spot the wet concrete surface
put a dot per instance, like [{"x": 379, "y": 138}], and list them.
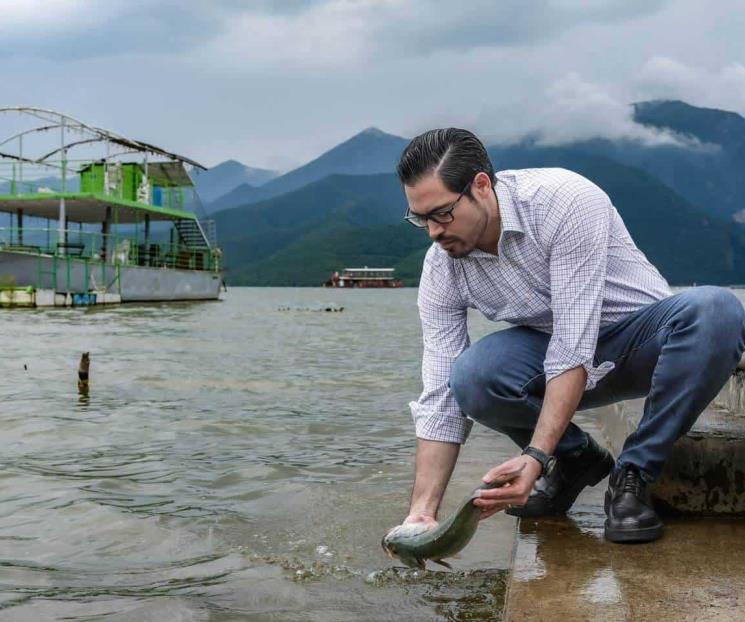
[{"x": 563, "y": 569}]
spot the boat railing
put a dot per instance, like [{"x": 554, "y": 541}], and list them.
[
  {"x": 111, "y": 248},
  {"x": 31, "y": 180},
  {"x": 25, "y": 178}
]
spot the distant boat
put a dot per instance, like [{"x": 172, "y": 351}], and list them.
[
  {"x": 364, "y": 277},
  {"x": 116, "y": 223}
]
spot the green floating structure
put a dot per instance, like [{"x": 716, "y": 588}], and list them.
[{"x": 120, "y": 222}]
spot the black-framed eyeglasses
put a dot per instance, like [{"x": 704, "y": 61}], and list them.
[{"x": 441, "y": 216}]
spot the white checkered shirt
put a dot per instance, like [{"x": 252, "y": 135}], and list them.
[{"x": 566, "y": 266}]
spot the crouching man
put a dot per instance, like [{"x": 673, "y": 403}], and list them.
[{"x": 593, "y": 320}]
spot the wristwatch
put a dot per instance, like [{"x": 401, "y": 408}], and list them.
[{"x": 548, "y": 463}]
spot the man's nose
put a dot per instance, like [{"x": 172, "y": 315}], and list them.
[{"x": 434, "y": 229}]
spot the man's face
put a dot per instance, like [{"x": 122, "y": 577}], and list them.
[{"x": 458, "y": 237}]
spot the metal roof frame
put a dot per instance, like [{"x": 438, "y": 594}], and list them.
[
  {"x": 81, "y": 206},
  {"x": 58, "y": 120}
]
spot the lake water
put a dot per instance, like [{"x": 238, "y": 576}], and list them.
[{"x": 233, "y": 461}]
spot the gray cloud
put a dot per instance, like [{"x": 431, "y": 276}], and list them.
[
  {"x": 275, "y": 83},
  {"x": 116, "y": 28},
  {"x": 119, "y": 27},
  {"x": 422, "y": 27}
]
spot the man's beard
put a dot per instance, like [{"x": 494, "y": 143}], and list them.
[
  {"x": 459, "y": 254},
  {"x": 457, "y": 249}
]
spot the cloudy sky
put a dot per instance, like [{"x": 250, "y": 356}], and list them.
[{"x": 274, "y": 83}]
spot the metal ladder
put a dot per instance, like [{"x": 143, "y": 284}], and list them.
[{"x": 191, "y": 234}]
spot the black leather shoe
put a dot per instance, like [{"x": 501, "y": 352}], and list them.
[
  {"x": 556, "y": 493},
  {"x": 630, "y": 514}
]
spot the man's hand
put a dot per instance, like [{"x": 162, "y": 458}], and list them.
[
  {"x": 414, "y": 525},
  {"x": 429, "y": 522},
  {"x": 562, "y": 396},
  {"x": 514, "y": 493}
]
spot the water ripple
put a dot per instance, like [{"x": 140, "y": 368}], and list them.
[{"x": 230, "y": 461}]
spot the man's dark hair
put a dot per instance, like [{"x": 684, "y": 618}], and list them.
[{"x": 456, "y": 155}]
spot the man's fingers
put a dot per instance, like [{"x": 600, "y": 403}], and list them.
[
  {"x": 506, "y": 494},
  {"x": 499, "y": 493},
  {"x": 488, "y": 505},
  {"x": 515, "y": 492},
  {"x": 495, "y": 472},
  {"x": 515, "y": 495},
  {"x": 513, "y": 465}
]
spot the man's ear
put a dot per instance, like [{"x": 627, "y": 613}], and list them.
[{"x": 481, "y": 185}]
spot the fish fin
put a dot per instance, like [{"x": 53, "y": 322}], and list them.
[
  {"x": 420, "y": 562},
  {"x": 442, "y": 563}
]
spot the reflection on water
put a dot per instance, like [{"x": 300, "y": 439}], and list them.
[
  {"x": 692, "y": 573},
  {"x": 231, "y": 462}
]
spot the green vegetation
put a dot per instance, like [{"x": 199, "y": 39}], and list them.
[
  {"x": 347, "y": 221},
  {"x": 677, "y": 204},
  {"x": 310, "y": 260},
  {"x": 301, "y": 237}
]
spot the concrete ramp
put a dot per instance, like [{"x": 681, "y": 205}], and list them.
[
  {"x": 563, "y": 569},
  {"x": 705, "y": 474}
]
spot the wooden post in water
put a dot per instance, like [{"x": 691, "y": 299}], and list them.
[{"x": 83, "y": 371}]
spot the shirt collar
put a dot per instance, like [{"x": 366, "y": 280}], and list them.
[
  {"x": 510, "y": 221},
  {"x": 507, "y": 211}
]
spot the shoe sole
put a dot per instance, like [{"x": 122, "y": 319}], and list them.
[
  {"x": 591, "y": 477},
  {"x": 629, "y": 536}
]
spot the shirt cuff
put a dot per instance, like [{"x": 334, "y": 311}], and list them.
[
  {"x": 444, "y": 427},
  {"x": 560, "y": 359}
]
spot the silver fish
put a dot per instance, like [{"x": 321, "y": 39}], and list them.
[{"x": 413, "y": 543}]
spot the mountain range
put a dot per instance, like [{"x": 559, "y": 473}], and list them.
[
  {"x": 214, "y": 182},
  {"x": 681, "y": 202},
  {"x": 369, "y": 152},
  {"x": 301, "y": 237},
  {"x": 707, "y": 172}
]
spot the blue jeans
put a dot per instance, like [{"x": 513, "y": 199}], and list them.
[{"x": 677, "y": 352}]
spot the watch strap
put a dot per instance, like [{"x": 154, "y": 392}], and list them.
[{"x": 539, "y": 455}]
